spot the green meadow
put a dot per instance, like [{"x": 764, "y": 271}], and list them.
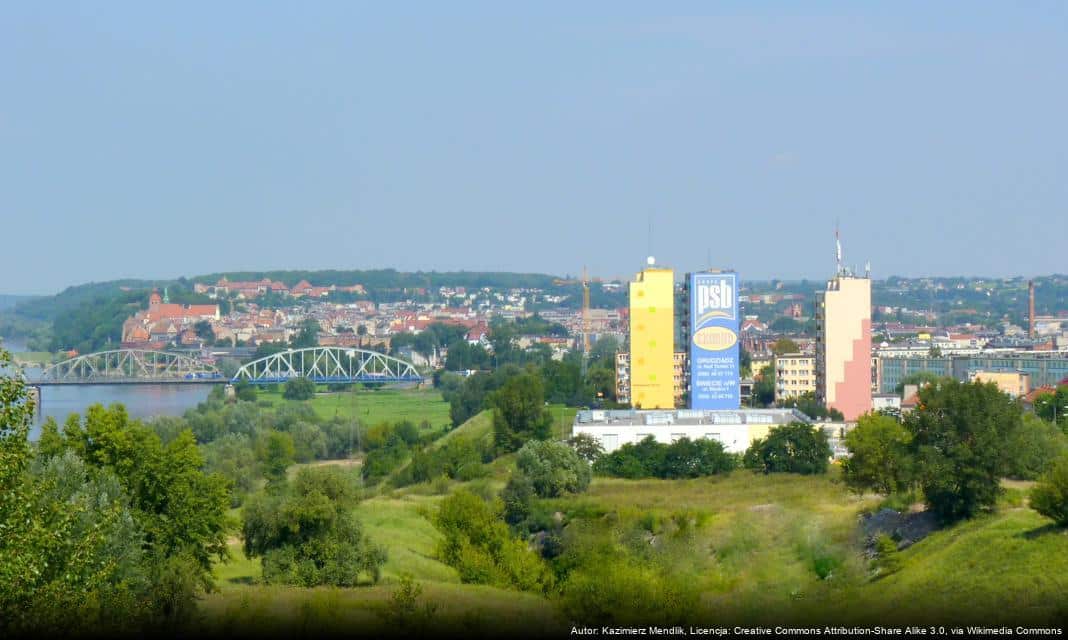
[{"x": 748, "y": 548}]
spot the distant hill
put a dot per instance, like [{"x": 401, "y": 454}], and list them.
[
  {"x": 391, "y": 278},
  {"x": 8, "y": 301}
]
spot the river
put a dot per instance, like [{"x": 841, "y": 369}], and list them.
[{"x": 141, "y": 401}]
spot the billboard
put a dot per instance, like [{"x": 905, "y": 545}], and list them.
[{"x": 714, "y": 368}]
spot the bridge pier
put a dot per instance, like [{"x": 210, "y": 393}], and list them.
[
  {"x": 35, "y": 396},
  {"x": 229, "y": 391}
]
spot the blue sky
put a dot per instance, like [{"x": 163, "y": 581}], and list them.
[{"x": 138, "y": 140}]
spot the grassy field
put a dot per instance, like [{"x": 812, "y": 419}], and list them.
[
  {"x": 749, "y": 545},
  {"x": 34, "y": 358},
  {"x": 373, "y": 407}
]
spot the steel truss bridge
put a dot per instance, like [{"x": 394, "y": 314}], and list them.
[
  {"x": 328, "y": 365},
  {"x": 130, "y": 366},
  {"x": 323, "y": 365}
]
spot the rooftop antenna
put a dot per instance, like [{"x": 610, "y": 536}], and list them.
[
  {"x": 650, "y": 238},
  {"x": 837, "y": 250}
]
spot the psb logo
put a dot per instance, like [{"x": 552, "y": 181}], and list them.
[{"x": 714, "y": 298}]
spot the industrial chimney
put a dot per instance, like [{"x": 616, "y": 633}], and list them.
[{"x": 1031, "y": 308}]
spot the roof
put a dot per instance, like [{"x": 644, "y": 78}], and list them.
[{"x": 637, "y": 417}]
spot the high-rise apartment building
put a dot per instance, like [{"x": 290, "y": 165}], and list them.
[
  {"x": 652, "y": 338},
  {"x": 843, "y": 346}
]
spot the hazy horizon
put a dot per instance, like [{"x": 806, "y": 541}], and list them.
[{"x": 142, "y": 139}]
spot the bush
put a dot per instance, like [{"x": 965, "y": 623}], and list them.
[
  {"x": 518, "y": 497},
  {"x": 299, "y": 389},
  {"x": 307, "y": 535},
  {"x": 791, "y": 448},
  {"x": 1034, "y": 447},
  {"x": 553, "y": 468},
  {"x": 1050, "y": 496},
  {"x": 880, "y": 459},
  {"x": 683, "y": 458},
  {"x": 479, "y": 545}
]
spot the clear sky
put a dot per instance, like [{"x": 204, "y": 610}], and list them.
[{"x": 142, "y": 140}]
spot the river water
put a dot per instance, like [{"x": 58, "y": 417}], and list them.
[{"x": 141, "y": 401}]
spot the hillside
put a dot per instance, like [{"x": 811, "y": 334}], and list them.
[{"x": 736, "y": 548}]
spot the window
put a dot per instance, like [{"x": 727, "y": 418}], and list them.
[{"x": 610, "y": 441}]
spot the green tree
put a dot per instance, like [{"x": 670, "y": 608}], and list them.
[
  {"x": 1033, "y": 447},
  {"x": 783, "y": 346},
  {"x": 764, "y": 387},
  {"x": 1050, "y": 496},
  {"x": 959, "y": 432},
  {"x": 880, "y": 458},
  {"x": 1053, "y": 405},
  {"x": 276, "y": 454},
  {"x": 306, "y": 534},
  {"x": 478, "y": 543},
  {"x": 205, "y": 332},
  {"x": 791, "y": 448},
  {"x": 299, "y": 389},
  {"x": 307, "y": 336},
  {"x": 586, "y": 446},
  {"x": 519, "y": 413},
  {"x": 553, "y": 468}
]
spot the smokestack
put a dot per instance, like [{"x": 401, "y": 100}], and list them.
[{"x": 1031, "y": 308}]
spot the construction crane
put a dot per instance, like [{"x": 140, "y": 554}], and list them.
[{"x": 585, "y": 321}]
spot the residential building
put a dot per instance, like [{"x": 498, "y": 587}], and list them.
[
  {"x": 795, "y": 374},
  {"x": 679, "y": 377},
  {"x": 843, "y": 347},
  {"x": 1015, "y": 383},
  {"x": 652, "y": 338}
]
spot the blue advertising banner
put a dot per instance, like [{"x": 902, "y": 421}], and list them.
[{"x": 714, "y": 368}]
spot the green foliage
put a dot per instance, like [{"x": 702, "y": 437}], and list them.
[
  {"x": 880, "y": 459},
  {"x": 481, "y": 547},
  {"x": 783, "y": 346},
  {"x": 182, "y": 510},
  {"x": 683, "y": 458},
  {"x": 919, "y": 378},
  {"x": 764, "y": 387},
  {"x": 1033, "y": 447},
  {"x": 519, "y": 413},
  {"x": 307, "y": 336},
  {"x": 518, "y": 498},
  {"x": 403, "y": 613},
  {"x": 299, "y": 389},
  {"x": 586, "y": 446},
  {"x": 622, "y": 593},
  {"x": 959, "y": 433},
  {"x": 307, "y": 534},
  {"x": 807, "y": 404},
  {"x": 1050, "y": 496},
  {"x": 553, "y": 468},
  {"x": 887, "y": 557},
  {"x": 275, "y": 455},
  {"x": 233, "y": 457},
  {"x": 1049, "y": 405},
  {"x": 381, "y": 461},
  {"x": 459, "y": 459},
  {"x": 791, "y": 448}
]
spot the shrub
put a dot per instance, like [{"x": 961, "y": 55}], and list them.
[
  {"x": 683, "y": 458},
  {"x": 479, "y": 545},
  {"x": 306, "y": 534},
  {"x": 553, "y": 468},
  {"x": 880, "y": 458},
  {"x": 1034, "y": 447},
  {"x": 586, "y": 446},
  {"x": 1050, "y": 496},
  {"x": 791, "y": 448},
  {"x": 299, "y": 389}
]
